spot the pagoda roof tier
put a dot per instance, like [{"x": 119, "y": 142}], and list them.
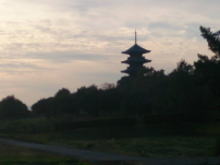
[
  {"x": 136, "y": 49},
  {"x": 133, "y": 70},
  {"x": 136, "y": 60}
]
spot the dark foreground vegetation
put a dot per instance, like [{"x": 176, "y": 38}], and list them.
[
  {"x": 142, "y": 116},
  {"x": 11, "y": 155}
]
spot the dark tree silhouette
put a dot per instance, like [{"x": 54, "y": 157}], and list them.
[
  {"x": 12, "y": 108},
  {"x": 63, "y": 93},
  {"x": 208, "y": 69},
  {"x": 213, "y": 39},
  {"x": 44, "y": 107}
]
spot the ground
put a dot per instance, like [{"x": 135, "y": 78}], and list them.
[
  {"x": 11, "y": 155},
  {"x": 153, "y": 141}
]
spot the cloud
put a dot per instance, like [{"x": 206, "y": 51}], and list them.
[
  {"x": 20, "y": 66},
  {"x": 63, "y": 57}
]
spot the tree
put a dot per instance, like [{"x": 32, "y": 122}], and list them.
[
  {"x": 63, "y": 93},
  {"x": 10, "y": 107},
  {"x": 213, "y": 39},
  {"x": 88, "y": 100},
  {"x": 207, "y": 70}
]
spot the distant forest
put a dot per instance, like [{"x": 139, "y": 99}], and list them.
[{"x": 189, "y": 91}]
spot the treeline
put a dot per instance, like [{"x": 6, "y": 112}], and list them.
[{"x": 188, "y": 91}]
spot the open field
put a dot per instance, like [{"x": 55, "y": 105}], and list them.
[
  {"x": 146, "y": 147},
  {"x": 197, "y": 140}
]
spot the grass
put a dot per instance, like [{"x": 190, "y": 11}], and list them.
[
  {"x": 152, "y": 146},
  {"x": 10, "y": 155},
  {"x": 14, "y": 155},
  {"x": 153, "y": 141},
  {"x": 148, "y": 146}
]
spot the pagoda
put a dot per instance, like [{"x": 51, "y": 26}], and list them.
[{"x": 136, "y": 60}]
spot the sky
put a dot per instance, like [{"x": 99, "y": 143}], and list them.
[{"x": 46, "y": 45}]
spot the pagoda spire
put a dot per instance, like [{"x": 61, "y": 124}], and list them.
[{"x": 135, "y": 37}]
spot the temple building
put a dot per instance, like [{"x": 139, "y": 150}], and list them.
[{"x": 136, "y": 60}]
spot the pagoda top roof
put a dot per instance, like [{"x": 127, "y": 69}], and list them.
[{"x": 136, "y": 49}]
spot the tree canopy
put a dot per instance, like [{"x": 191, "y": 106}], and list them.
[{"x": 10, "y": 107}]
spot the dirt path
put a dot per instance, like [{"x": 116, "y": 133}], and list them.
[{"x": 99, "y": 156}]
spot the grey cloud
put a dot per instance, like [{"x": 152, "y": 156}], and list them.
[
  {"x": 20, "y": 67},
  {"x": 82, "y": 6},
  {"x": 103, "y": 37},
  {"x": 192, "y": 30},
  {"x": 160, "y": 29},
  {"x": 163, "y": 25},
  {"x": 86, "y": 5},
  {"x": 44, "y": 28},
  {"x": 64, "y": 57}
]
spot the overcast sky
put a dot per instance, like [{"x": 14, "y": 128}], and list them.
[{"x": 49, "y": 44}]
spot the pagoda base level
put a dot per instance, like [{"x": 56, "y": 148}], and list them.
[{"x": 133, "y": 74}]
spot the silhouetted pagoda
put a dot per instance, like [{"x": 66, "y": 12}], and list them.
[{"x": 136, "y": 60}]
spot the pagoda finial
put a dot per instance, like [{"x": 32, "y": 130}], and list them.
[{"x": 135, "y": 36}]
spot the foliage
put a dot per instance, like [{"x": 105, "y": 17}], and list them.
[
  {"x": 62, "y": 93},
  {"x": 10, "y": 155},
  {"x": 213, "y": 39},
  {"x": 10, "y": 107}
]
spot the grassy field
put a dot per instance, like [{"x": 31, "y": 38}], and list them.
[
  {"x": 150, "y": 141},
  {"x": 173, "y": 146},
  {"x": 151, "y": 147},
  {"x": 14, "y": 155},
  {"x": 11, "y": 155}
]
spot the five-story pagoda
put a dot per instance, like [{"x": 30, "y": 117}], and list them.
[{"x": 136, "y": 60}]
